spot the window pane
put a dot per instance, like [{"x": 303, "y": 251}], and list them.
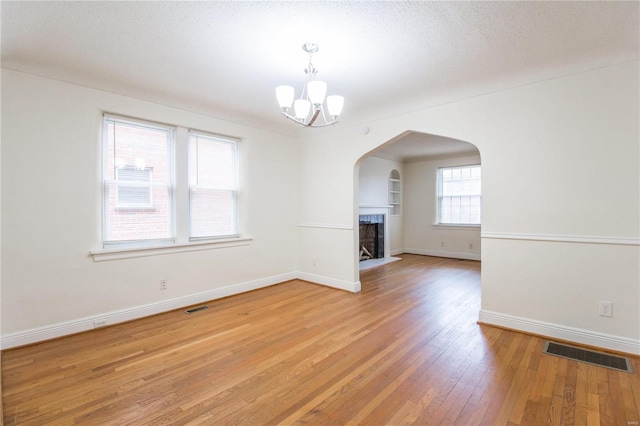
[
  {"x": 138, "y": 181},
  {"x": 136, "y": 192},
  {"x": 212, "y": 213},
  {"x": 213, "y": 186}
]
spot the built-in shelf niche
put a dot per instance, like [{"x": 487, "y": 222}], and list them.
[{"x": 395, "y": 193}]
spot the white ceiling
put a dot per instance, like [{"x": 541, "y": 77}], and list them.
[
  {"x": 386, "y": 58},
  {"x": 416, "y": 146}
]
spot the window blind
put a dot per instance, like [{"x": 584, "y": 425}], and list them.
[
  {"x": 138, "y": 181},
  {"x": 213, "y": 186}
]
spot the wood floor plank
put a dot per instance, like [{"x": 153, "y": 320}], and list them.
[
  {"x": 406, "y": 350},
  {"x": 569, "y": 394},
  {"x": 593, "y": 409},
  {"x": 554, "y": 416},
  {"x": 632, "y": 412}
]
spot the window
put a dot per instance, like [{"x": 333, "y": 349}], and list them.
[
  {"x": 459, "y": 195},
  {"x": 213, "y": 186},
  {"x": 138, "y": 182},
  {"x": 167, "y": 186}
]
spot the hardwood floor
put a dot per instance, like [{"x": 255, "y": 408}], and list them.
[{"x": 406, "y": 350}]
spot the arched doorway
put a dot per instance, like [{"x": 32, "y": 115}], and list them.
[{"x": 402, "y": 181}]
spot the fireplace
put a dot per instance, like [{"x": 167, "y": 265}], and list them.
[{"x": 371, "y": 236}]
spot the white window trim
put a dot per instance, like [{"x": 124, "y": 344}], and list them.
[
  {"x": 156, "y": 250},
  {"x": 445, "y": 225},
  {"x": 172, "y": 147},
  {"x": 225, "y": 139},
  {"x": 180, "y": 242},
  {"x": 457, "y": 226}
]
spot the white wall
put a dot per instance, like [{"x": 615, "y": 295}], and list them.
[
  {"x": 51, "y": 215},
  {"x": 561, "y": 206},
  {"x": 421, "y": 234},
  {"x": 373, "y": 190},
  {"x": 561, "y": 201},
  {"x": 1, "y": 391}
]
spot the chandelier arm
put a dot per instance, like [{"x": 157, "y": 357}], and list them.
[
  {"x": 324, "y": 125},
  {"x": 295, "y": 120},
  {"x": 315, "y": 116},
  {"x": 324, "y": 117},
  {"x": 292, "y": 118},
  {"x": 333, "y": 119}
]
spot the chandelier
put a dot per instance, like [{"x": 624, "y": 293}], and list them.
[{"x": 309, "y": 107}]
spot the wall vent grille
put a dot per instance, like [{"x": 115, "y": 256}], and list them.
[
  {"x": 590, "y": 357},
  {"x": 199, "y": 308}
]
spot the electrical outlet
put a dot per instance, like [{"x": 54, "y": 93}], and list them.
[
  {"x": 470, "y": 246},
  {"x": 99, "y": 323},
  {"x": 163, "y": 284},
  {"x": 314, "y": 261},
  {"x": 605, "y": 308},
  {"x": 441, "y": 243}
]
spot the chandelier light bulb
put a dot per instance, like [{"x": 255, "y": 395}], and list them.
[
  {"x": 301, "y": 108},
  {"x": 334, "y": 105},
  {"x": 317, "y": 91},
  {"x": 285, "y": 95}
]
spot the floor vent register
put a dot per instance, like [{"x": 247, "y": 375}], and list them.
[
  {"x": 590, "y": 357},
  {"x": 199, "y": 308}
]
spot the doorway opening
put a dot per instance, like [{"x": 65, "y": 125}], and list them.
[{"x": 400, "y": 198}]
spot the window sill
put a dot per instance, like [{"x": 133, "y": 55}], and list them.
[
  {"x": 452, "y": 226},
  {"x": 128, "y": 253},
  {"x": 135, "y": 209}
]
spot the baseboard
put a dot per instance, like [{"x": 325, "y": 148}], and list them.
[
  {"x": 561, "y": 332},
  {"x": 40, "y": 334},
  {"x": 397, "y": 252},
  {"x": 448, "y": 254},
  {"x": 353, "y": 287}
]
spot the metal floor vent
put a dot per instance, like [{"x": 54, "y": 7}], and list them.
[
  {"x": 590, "y": 357},
  {"x": 199, "y": 308}
]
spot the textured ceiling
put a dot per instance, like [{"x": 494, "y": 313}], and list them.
[
  {"x": 416, "y": 146},
  {"x": 386, "y": 58}
]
